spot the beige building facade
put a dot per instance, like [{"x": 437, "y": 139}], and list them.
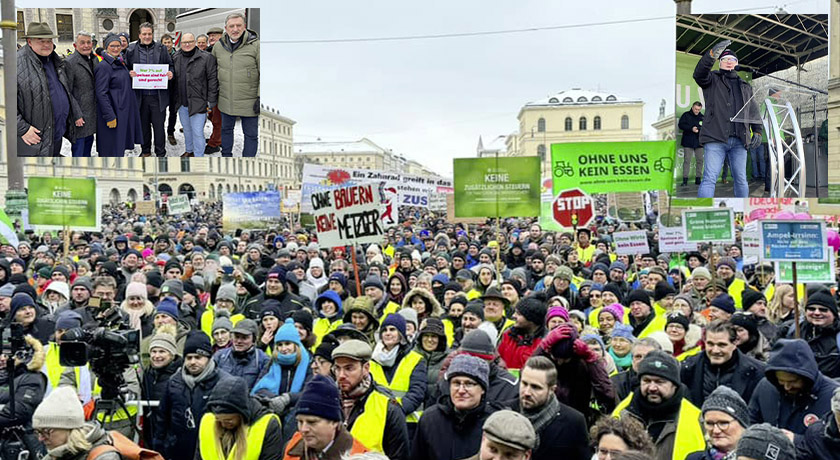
[{"x": 834, "y": 103}]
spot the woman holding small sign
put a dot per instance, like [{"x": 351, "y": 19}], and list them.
[{"x": 116, "y": 107}]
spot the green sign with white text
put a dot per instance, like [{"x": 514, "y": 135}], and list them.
[
  {"x": 486, "y": 187},
  {"x": 716, "y": 225},
  {"x": 602, "y": 167},
  {"x": 806, "y": 272},
  {"x": 55, "y": 202}
]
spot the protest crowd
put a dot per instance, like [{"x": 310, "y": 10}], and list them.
[
  {"x": 444, "y": 341},
  {"x": 92, "y": 94}
]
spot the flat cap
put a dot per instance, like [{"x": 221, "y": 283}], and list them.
[
  {"x": 353, "y": 349},
  {"x": 511, "y": 429}
]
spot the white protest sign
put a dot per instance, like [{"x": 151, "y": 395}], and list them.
[
  {"x": 750, "y": 244},
  {"x": 179, "y": 204},
  {"x": 631, "y": 243},
  {"x": 348, "y": 215},
  {"x": 150, "y": 76},
  {"x": 672, "y": 239}
]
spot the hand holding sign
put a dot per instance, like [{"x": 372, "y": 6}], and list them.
[{"x": 150, "y": 76}]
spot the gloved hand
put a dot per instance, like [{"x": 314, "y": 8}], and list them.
[
  {"x": 718, "y": 49},
  {"x": 755, "y": 141},
  {"x": 112, "y": 124},
  {"x": 583, "y": 351},
  {"x": 278, "y": 403},
  {"x": 562, "y": 332}
]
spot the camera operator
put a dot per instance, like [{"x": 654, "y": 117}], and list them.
[
  {"x": 80, "y": 292},
  {"x": 30, "y": 384}
]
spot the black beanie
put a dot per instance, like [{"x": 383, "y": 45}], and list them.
[
  {"x": 475, "y": 307},
  {"x": 679, "y": 318},
  {"x": 532, "y": 309},
  {"x": 749, "y": 297},
  {"x": 823, "y": 299},
  {"x": 746, "y": 320},
  {"x": 662, "y": 290},
  {"x": 197, "y": 342},
  {"x": 660, "y": 364},
  {"x": 612, "y": 287},
  {"x": 637, "y": 295}
]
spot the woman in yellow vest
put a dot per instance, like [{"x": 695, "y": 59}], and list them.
[
  {"x": 396, "y": 366},
  {"x": 328, "y": 307},
  {"x": 225, "y": 300},
  {"x": 236, "y": 428}
]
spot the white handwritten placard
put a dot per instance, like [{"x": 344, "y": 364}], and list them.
[{"x": 150, "y": 76}]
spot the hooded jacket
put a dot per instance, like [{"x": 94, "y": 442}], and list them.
[
  {"x": 435, "y": 309},
  {"x": 446, "y": 434},
  {"x": 769, "y": 402},
  {"x": 30, "y": 386},
  {"x": 821, "y": 441}
]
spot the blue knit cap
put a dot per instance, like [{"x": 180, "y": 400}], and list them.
[
  {"x": 320, "y": 398},
  {"x": 393, "y": 319},
  {"x": 624, "y": 331},
  {"x": 288, "y": 333},
  {"x": 168, "y": 306}
]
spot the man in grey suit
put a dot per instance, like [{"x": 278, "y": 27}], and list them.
[{"x": 79, "y": 66}]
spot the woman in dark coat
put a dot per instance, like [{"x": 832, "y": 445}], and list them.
[{"x": 117, "y": 114}]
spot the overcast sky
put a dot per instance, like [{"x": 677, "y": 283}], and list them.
[{"x": 430, "y": 99}]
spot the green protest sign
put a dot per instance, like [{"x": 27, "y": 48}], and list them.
[
  {"x": 806, "y": 272},
  {"x": 601, "y": 167},
  {"x": 56, "y": 202},
  {"x": 485, "y": 187},
  {"x": 715, "y": 225}
]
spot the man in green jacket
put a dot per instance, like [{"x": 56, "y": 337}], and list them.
[{"x": 238, "y": 58}]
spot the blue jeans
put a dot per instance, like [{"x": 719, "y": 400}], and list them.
[
  {"x": 250, "y": 128},
  {"x": 82, "y": 146},
  {"x": 759, "y": 165},
  {"x": 716, "y": 153},
  {"x": 193, "y": 130}
]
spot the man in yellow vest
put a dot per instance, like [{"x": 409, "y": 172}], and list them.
[
  {"x": 659, "y": 403},
  {"x": 371, "y": 413},
  {"x": 643, "y": 317},
  {"x": 233, "y": 422},
  {"x": 726, "y": 267}
]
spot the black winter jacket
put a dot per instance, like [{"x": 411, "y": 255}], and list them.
[
  {"x": 742, "y": 373},
  {"x": 720, "y": 103},
  {"x": 154, "y": 387},
  {"x": 624, "y": 383},
  {"x": 288, "y": 303},
  {"x": 689, "y": 120},
  {"x": 444, "y": 434},
  {"x": 823, "y": 342},
  {"x": 566, "y": 433},
  {"x": 770, "y": 404},
  {"x": 821, "y": 441},
  {"x": 159, "y": 55},
  {"x": 202, "y": 80},
  {"x": 34, "y": 105},
  {"x": 30, "y": 386},
  {"x": 179, "y": 414},
  {"x": 81, "y": 84}
]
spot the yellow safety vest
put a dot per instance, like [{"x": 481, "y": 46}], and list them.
[
  {"x": 54, "y": 369},
  {"x": 473, "y": 294},
  {"x": 209, "y": 316},
  {"x": 770, "y": 291},
  {"x": 324, "y": 326},
  {"x": 688, "y": 353},
  {"x": 255, "y": 436},
  {"x": 391, "y": 307},
  {"x": 401, "y": 381},
  {"x": 449, "y": 331},
  {"x": 735, "y": 289},
  {"x": 658, "y": 324},
  {"x": 119, "y": 414},
  {"x": 369, "y": 427},
  {"x": 585, "y": 254},
  {"x": 593, "y": 317},
  {"x": 689, "y": 437}
]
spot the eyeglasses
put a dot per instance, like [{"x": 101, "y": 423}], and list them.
[
  {"x": 819, "y": 309},
  {"x": 721, "y": 425},
  {"x": 187, "y": 42},
  {"x": 467, "y": 385},
  {"x": 728, "y": 59}
]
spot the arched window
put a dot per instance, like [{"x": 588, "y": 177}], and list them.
[
  {"x": 596, "y": 99},
  {"x": 568, "y": 123},
  {"x": 582, "y": 99},
  {"x": 541, "y": 152},
  {"x": 553, "y": 100},
  {"x": 625, "y": 122},
  {"x": 582, "y": 124},
  {"x": 568, "y": 99},
  {"x": 596, "y": 123},
  {"x": 611, "y": 98},
  {"x": 541, "y": 125}
]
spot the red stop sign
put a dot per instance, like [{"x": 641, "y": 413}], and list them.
[{"x": 570, "y": 203}]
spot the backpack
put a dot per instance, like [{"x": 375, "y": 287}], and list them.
[{"x": 128, "y": 449}]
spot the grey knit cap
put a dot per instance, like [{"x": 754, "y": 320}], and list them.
[
  {"x": 469, "y": 366},
  {"x": 226, "y": 291},
  {"x": 765, "y": 442},
  {"x": 727, "y": 400},
  {"x": 222, "y": 321}
]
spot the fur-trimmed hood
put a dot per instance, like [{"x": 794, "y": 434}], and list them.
[
  {"x": 436, "y": 309},
  {"x": 39, "y": 356}
]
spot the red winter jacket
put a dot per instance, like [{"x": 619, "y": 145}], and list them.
[{"x": 516, "y": 347}]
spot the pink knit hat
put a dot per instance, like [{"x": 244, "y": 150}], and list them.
[
  {"x": 617, "y": 310},
  {"x": 557, "y": 311}
]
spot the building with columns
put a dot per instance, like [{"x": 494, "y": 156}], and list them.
[{"x": 99, "y": 21}]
